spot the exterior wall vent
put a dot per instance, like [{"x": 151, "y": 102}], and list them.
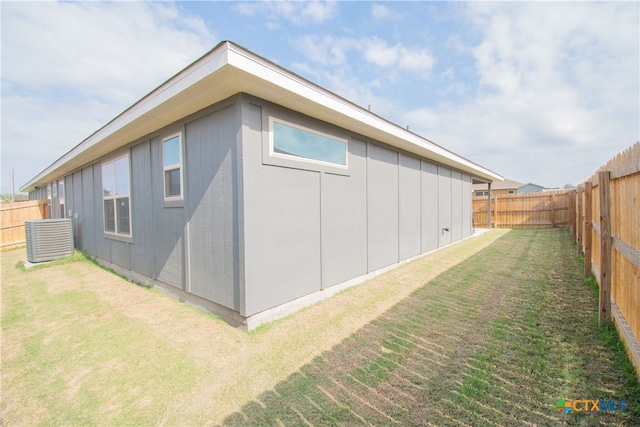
[{"x": 48, "y": 239}]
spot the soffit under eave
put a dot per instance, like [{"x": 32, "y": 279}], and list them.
[
  {"x": 219, "y": 84},
  {"x": 215, "y": 87}
]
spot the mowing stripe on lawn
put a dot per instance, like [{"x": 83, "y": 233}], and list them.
[{"x": 496, "y": 340}]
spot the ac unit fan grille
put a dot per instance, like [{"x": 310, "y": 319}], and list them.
[{"x": 48, "y": 239}]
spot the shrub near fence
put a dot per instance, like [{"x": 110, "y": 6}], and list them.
[
  {"x": 13, "y": 216},
  {"x": 535, "y": 210},
  {"x": 605, "y": 222}
]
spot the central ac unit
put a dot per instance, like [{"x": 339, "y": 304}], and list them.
[{"x": 48, "y": 239}]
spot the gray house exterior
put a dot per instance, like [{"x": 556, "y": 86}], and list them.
[{"x": 246, "y": 190}]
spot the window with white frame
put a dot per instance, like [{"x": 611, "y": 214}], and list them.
[
  {"x": 292, "y": 141},
  {"x": 172, "y": 166},
  {"x": 115, "y": 196},
  {"x": 61, "y": 198},
  {"x": 48, "y": 200}
]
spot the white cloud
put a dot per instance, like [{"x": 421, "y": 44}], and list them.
[
  {"x": 332, "y": 62},
  {"x": 297, "y": 12},
  {"x": 81, "y": 44},
  {"x": 68, "y": 68},
  {"x": 414, "y": 59},
  {"x": 333, "y": 51},
  {"x": 379, "y": 11},
  {"x": 377, "y": 51},
  {"x": 328, "y": 51},
  {"x": 558, "y": 87}
]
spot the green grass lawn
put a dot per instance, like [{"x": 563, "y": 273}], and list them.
[{"x": 491, "y": 331}]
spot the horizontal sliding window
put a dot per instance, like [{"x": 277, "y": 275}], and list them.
[
  {"x": 115, "y": 196},
  {"x": 296, "y": 142}
]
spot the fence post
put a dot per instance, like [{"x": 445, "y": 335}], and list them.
[
  {"x": 553, "y": 210},
  {"x": 579, "y": 217},
  {"x": 587, "y": 228},
  {"x": 604, "y": 314},
  {"x": 572, "y": 213},
  {"x": 495, "y": 221}
]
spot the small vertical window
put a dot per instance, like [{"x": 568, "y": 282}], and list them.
[
  {"x": 115, "y": 196},
  {"x": 48, "y": 201},
  {"x": 61, "y": 198},
  {"x": 172, "y": 166}
]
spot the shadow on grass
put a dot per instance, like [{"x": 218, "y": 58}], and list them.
[{"x": 497, "y": 339}]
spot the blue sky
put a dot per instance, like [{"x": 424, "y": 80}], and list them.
[{"x": 538, "y": 92}]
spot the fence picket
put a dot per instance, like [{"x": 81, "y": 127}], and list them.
[{"x": 13, "y": 217}]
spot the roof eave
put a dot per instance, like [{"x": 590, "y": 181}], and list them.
[{"x": 229, "y": 69}]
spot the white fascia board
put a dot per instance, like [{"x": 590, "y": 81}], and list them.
[
  {"x": 256, "y": 76},
  {"x": 142, "y": 109}
]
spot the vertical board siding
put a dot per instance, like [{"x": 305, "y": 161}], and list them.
[
  {"x": 429, "y": 202},
  {"x": 88, "y": 215},
  {"x": 456, "y": 206},
  {"x": 344, "y": 219},
  {"x": 382, "y": 206},
  {"x": 383, "y": 210},
  {"x": 212, "y": 199},
  {"x": 282, "y": 236},
  {"x": 444, "y": 206},
  {"x": 409, "y": 207},
  {"x": 250, "y": 235},
  {"x": 103, "y": 247},
  {"x": 466, "y": 206},
  {"x": 282, "y": 225},
  {"x": 142, "y": 210},
  {"x": 168, "y": 225},
  {"x": 119, "y": 253},
  {"x": 76, "y": 207},
  {"x": 69, "y": 194}
]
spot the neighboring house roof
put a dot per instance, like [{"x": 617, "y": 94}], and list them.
[
  {"x": 229, "y": 69},
  {"x": 506, "y": 184},
  {"x": 531, "y": 184}
]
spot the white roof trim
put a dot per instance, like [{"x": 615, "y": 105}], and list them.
[{"x": 224, "y": 71}]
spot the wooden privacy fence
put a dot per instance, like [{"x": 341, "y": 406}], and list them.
[
  {"x": 605, "y": 223},
  {"x": 535, "y": 210},
  {"x": 13, "y": 216}
]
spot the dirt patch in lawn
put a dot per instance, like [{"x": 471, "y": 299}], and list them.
[{"x": 83, "y": 346}]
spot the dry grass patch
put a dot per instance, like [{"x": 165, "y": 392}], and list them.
[{"x": 81, "y": 346}]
